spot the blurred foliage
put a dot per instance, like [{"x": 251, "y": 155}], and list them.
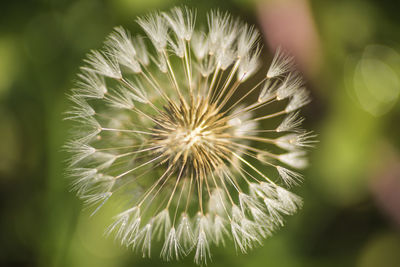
[{"x": 355, "y": 112}]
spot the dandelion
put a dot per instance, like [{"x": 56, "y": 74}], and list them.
[{"x": 167, "y": 129}]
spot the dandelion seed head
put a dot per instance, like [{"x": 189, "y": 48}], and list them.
[{"x": 167, "y": 132}]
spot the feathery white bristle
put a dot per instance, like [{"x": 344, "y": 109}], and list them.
[
  {"x": 142, "y": 240},
  {"x": 177, "y": 46},
  {"x": 156, "y": 29},
  {"x": 249, "y": 64},
  {"x": 90, "y": 85},
  {"x": 289, "y": 86},
  {"x": 225, "y": 58},
  {"x": 103, "y": 64},
  {"x": 275, "y": 210},
  {"x": 202, "y": 244},
  {"x": 217, "y": 25},
  {"x": 217, "y": 202},
  {"x": 122, "y": 220},
  {"x": 182, "y": 21},
  {"x": 290, "y": 201},
  {"x": 103, "y": 160},
  {"x": 280, "y": 64},
  {"x": 160, "y": 62},
  {"x": 298, "y": 100},
  {"x": 247, "y": 40},
  {"x": 98, "y": 199},
  {"x": 81, "y": 109},
  {"x": 206, "y": 67},
  {"x": 199, "y": 44},
  {"x": 292, "y": 122},
  {"x": 171, "y": 249},
  {"x": 184, "y": 233},
  {"x": 120, "y": 46},
  {"x": 294, "y": 159},
  {"x": 289, "y": 177},
  {"x": 122, "y": 99},
  {"x": 219, "y": 230},
  {"x": 162, "y": 224},
  {"x": 141, "y": 50},
  {"x": 294, "y": 141},
  {"x": 80, "y": 151},
  {"x": 268, "y": 91},
  {"x": 131, "y": 231},
  {"x": 245, "y": 233}
]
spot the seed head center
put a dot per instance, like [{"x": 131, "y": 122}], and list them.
[
  {"x": 192, "y": 136},
  {"x": 191, "y": 133}
]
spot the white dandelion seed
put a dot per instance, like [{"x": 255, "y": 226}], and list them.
[
  {"x": 281, "y": 64},
  {"x": 202, "y": 243},
  {"x": 171, "y": 249},
  {"x": 293, "y": 141},
  {"x": 289, "y": 177},
  {"x": 294, "y": 159},
  {"x": 291, "y": 123},
  {"x": 182, "y": 21},
  {"x": 299, "y": 99},
  {"x": 121, "y": 47},
  {"x": 166, "y": 129},
  {"x": 219, "y": 230},
  {"x": 268, "y": 91},
  {"x": 103, "y": 64},
  {"x": 81, "y": 109},
  {"x": 141, "y": 50},
  {"x": 90, "y": 85},
  {"x": 185, "y": 234},
  {"x": 156, "y": 29},
  {"x": 199, "y": 43},
  {"x": 247, "y": 40},
  {"x": 289, "y": 86}
]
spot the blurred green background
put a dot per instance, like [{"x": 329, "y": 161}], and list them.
[{"x": 350, "y": 54}]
